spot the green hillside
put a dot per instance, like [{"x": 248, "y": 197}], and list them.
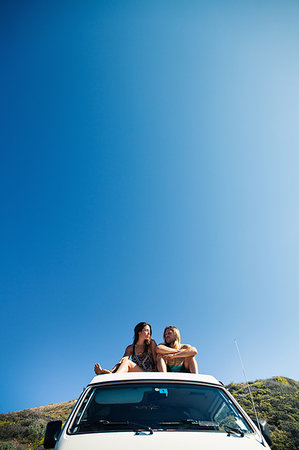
[
  {"x": 276, "y": 400},
  {"x": 25, "y": 429}
]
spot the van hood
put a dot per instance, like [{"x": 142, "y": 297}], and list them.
[{"x": 159, "y": 441}]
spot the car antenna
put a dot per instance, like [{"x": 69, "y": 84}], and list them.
[{"x": 251, "y": 397}]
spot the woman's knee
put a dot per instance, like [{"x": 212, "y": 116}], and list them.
[{"x": 129, "y": 364}]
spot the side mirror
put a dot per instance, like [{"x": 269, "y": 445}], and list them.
[
  {"x": 264, "y": 429},
  {"x": 51, "y": 434}
]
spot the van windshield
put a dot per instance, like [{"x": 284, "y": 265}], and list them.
[{"x": 157, "y": 406}]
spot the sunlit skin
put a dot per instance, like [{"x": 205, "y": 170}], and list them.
[
  {"x": 169, "y": 336},
  {"x": 125, "y": 364},
  {"x": 168, "y": 352}
]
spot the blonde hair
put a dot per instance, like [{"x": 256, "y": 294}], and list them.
[{"x": 177, "y": 342}]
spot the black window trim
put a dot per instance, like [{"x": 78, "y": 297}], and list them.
[{"x": 150, "y": 381}]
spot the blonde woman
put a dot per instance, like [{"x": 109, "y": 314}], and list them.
[{"x": 172, "y": 356}]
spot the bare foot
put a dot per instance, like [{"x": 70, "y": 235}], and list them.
[{"x": 99, "y": 371}]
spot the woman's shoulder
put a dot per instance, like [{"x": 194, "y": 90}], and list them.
[{"x": 129, "y": 349}]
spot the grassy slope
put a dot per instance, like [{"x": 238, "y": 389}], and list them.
[
  {"x": 276, "y": 400},
  {"x": 25, "y": 429}
]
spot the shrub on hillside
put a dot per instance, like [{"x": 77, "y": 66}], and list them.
[
  {"x": 9, "y": 446},
  {"x": 277, "y": 401}
]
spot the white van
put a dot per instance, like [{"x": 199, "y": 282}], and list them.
[{"x": 155, "y": 411}]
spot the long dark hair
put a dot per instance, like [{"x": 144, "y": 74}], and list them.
[{"x": 139, "y": 327}]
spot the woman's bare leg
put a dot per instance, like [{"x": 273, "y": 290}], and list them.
[
  {"x": 99, "y": 371},
  {"x": 128, "y": 366},
  {"x": 161, "y": 364},
  {"x": 191, "y": 364}
]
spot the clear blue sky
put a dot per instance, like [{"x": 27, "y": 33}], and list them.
[{"x": 149, "y": 172}]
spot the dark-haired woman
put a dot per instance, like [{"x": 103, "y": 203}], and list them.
[{"x": 142, "y": 353}]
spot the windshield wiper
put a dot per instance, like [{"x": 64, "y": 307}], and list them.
[
  {"x": 233, "y": 430},
  {"x": 202, "y": 424},
  {"x": 139, "y": 427},
  {"x": 102, "y": 423}
]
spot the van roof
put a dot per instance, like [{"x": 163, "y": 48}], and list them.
[{"x": 155, "y": 376}]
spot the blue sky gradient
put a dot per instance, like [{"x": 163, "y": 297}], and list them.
[{"x": 148, "y": 172}]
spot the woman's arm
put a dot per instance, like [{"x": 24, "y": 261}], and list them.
[
  {"x": 127, "y": 354},
  {"x": 153, "y": 347},
  {"x": 128, "y": 351}
]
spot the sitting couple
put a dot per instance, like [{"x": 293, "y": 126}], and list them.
[{"x": 147, "y": 356}]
